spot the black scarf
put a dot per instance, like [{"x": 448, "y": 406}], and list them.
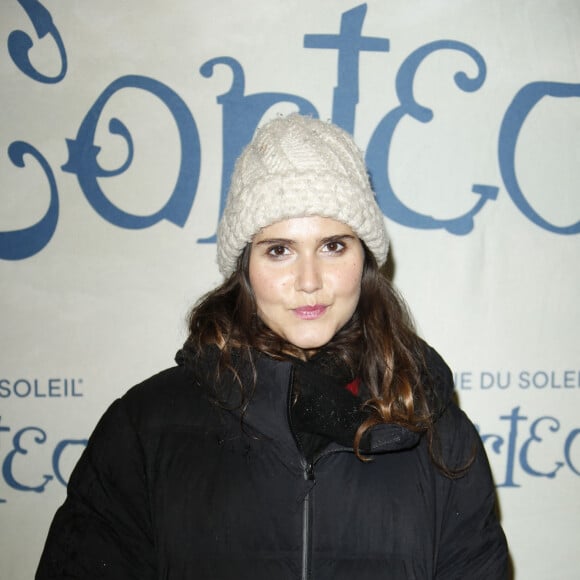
[{"x": 326, "y": 405}]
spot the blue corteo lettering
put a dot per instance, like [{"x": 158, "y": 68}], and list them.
[
  {"x": 83, "y": 157},
  {"x": 378, "y": 150},
  {"x": 349, "y": 43},
  {"x": 241, "y": 115},
  {"x": 19, "y": 450},
  {"x": 568, "y": 450},
  {"x": 21, "y": 244},
  {"x": 521, "y": 106},
  {"x": 527, "y": 453},
  {"x": 20, "y": 43},
  {"x": 553, "y": 426},
  {"x": 17, "y": 459},
  {"x": 497, "y": 443}
]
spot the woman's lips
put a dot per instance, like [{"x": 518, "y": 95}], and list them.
[{"x": 310, "y": 312}]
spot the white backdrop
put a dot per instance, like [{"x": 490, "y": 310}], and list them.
[{"x": 100, "y": 224}]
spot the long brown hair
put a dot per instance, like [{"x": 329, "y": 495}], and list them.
[{"x": 379, "y": 343}]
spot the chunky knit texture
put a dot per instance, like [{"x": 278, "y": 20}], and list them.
[{"x": 299, "y": 166}]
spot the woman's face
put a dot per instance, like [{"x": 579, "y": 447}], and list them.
[{"x": 306, "y": 276}]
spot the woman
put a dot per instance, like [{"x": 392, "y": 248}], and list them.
[{"x": 307, "y": 432}]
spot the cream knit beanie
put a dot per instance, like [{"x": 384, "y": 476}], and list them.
[{"x": 298, "y": 166}]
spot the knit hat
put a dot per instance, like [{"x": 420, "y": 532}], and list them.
[{"x": 298, "y": 166}]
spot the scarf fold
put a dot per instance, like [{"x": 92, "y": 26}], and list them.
[{"x": 326, "y": 405}]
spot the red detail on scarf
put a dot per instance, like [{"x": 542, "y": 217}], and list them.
[{"x": 353, "y": 386}]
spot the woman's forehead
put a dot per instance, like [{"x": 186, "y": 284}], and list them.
[{"x": 305, "y": 227}]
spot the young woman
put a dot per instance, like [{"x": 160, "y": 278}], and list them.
[{"x": 306, "y": 432}]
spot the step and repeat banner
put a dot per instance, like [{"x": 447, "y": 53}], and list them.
[{"x": 119, "y": 126}]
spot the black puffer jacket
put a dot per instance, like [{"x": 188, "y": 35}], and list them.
[{"x": 172, "y": 486}]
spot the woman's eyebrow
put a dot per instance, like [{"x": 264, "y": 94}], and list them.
[
  {"x": 290, "y": 242},
  {"x": 275, "y": 241},
  {"x": 337, "y": 238}
]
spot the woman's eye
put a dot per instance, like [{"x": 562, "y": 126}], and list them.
[
  {"x": 277, "y": 251},
  {"x": 334, "y": 247}
]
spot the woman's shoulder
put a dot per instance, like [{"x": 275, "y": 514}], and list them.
[
  {"x": 456, "y": 433},
  {"x": 173, "y": 395},
  {"x": 436, "y": 376},
  {"x": 171, "y": 382}
]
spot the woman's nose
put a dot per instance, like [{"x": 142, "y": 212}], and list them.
[{"x": 308, "y": 275}]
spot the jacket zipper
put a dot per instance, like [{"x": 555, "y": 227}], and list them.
[
  {"x": 307, "y": 506},
  {"x": 308, "y": 475},
  {"x": 307, "y": 525},
  {"x": 308, "y": 512}
]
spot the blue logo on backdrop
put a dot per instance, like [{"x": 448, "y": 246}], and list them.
[
  {"x": 526, "y": 450},
  {"x": 518, "y": 452},
  {"x": 242, "y": 114},
  {"x": 16, "y": 472},
  {"x": 20, "y": 43}
]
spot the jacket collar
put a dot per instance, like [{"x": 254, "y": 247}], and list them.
[{"x": 266, "y": 408}]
